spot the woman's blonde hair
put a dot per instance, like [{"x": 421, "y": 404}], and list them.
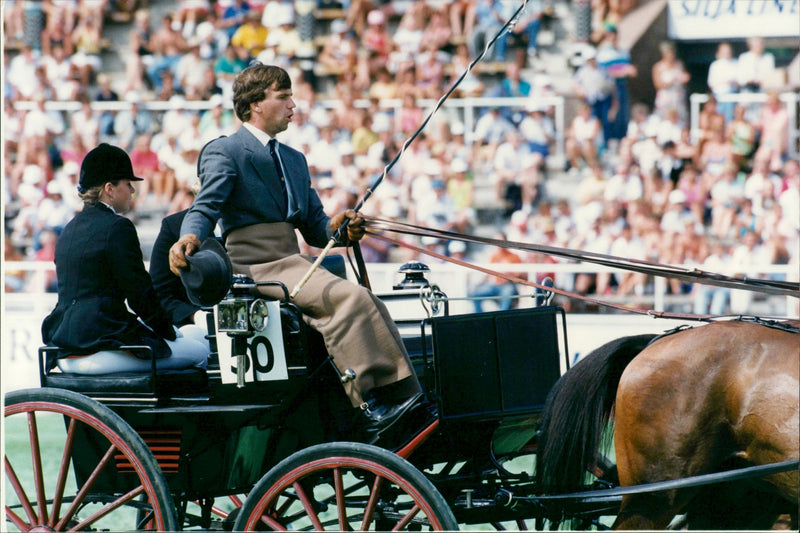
[{"x": 92, "y": 196}]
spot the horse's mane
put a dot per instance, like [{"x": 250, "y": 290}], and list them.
[{"x": 576, "y": 412}]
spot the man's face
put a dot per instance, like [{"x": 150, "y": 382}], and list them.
[{"x": 274, "y": 112}]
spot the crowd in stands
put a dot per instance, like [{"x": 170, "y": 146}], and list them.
[{"x": 647, "y": 188}]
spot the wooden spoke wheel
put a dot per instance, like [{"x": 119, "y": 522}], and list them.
[
  {"x": 71, "y": 463},
  {"x": 345, "y": 487}
]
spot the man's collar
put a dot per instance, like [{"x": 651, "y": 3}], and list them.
[{"x": 262, "y": 136}]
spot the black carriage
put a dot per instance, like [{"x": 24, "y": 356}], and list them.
[{"x": 264, "y": 437}]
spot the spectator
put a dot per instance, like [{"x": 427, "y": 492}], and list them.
[
  {"x": 86, "y": 122},
  {"x": 167, "y": 45},
  {"x": 21, "y": 72},
  {"x": 584, "y": 139},
  {"x": 596, "y": 87},
  {"x": 724, "y": 196},
  {"x": 749, "y": 257},
  {"x": 742, "y": 135},
  {"x": 145, "y": 165},
  {"x": 708, "y": 120},
  {"x": 438, "y": 209},
  {"x": 384, "y": 87},
  {"x": 169, "y": 87},
  {"x": 773, "y": 127},
  {"x": 670, "y": 79},
  {"x": 762, "y": 186},
  {"x": 61, "y": 74},
  {"x": 228, "y": 65},
  {"x": 689, "y": 183},
  {"x": 106, "y": 94},
  {"x": 490, "y": 130},
  {"x": 46, "y": 253},
  {"x": 357, "y": 14},
  {"x": 252, "y": 35},
  {"x": 617, "y": 62},
  {"x": 190, "y": 14},
  {"x": 190, "y": 70},
  {"x": 625, "y": 186},
  {"x": 233, "y": 16},
  {"x": 630, "y": 246},
  {"x": 88, "y": 35},
  {"x": 437, "y": 32},
  {"x": 754, "y": 66},
  {"x": 57, "y": 31},
  {"x": 338, "y": 52},
  {"x": 723, "y": 78},
  {"x": 430, "y": 72},
  {"x": 408, "y": 38},
  {"x": 461, "y": 188},
  {"x": 470, "y": 85},
  {"x": 140, "y": 51},
  {"x": 462, "y": 19},
  {"x": 515, "y": 172},
  {"x": 486, "y": 20},
  {"x": 715, "y": 155},
  {"x": 376, "y": 41},
  {"x": 511, "y": 85},
  {"x": 710, "y": 299},
  {"x": 132, "y": 122},
  {"x": 14, "y": 279},
  {"x": 217, "y": 121},
  {"x": 496, "y": 287},
  {"x": 14, "y": 22}
]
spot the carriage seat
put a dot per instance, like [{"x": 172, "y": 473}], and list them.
[{"x": 152, "y": 383}]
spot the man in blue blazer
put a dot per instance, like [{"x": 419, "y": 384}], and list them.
[{"x": 260, "y": 191}]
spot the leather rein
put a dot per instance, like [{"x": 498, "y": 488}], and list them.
[{"x": 377, "y": 227}]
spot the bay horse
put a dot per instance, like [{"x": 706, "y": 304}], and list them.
[{"x": 688, "y": 402}]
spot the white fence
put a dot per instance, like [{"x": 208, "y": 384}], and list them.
[
  {"x": 468, "y": 109},
  {"x": 23, "y": 312},
  {"x": 454, "y": 280}
]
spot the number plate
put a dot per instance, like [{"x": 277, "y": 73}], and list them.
[{"x": 265, "y": 359}]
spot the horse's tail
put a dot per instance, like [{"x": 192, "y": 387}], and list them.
[{"x": 576, "y": 412}]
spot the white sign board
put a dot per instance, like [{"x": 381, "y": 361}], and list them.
[
  {"x": 265, "y": 359},
  {"x": 701, "y": 20}
]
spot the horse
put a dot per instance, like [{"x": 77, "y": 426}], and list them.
[{"x": 684, "y": 403}]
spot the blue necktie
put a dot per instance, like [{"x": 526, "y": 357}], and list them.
[{"x": 273, "y": 143}]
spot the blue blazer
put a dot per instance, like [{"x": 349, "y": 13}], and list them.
[{"x": 240, "y": 187}]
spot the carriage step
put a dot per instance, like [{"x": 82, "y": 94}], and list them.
[{"x": 216, "y": 409}]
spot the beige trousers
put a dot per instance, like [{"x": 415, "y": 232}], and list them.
[{"x": 358, "y": 331}]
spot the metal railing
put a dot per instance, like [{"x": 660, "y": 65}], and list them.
[
  {"x": 454, "y": 280},
  {"x": 469, "y": 109}
]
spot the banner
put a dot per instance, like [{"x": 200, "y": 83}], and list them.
[{"x": 701, "y": 20}]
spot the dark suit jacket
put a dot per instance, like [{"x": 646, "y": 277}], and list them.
[
  {"x": 99, "y": 267},
  {"x": 241, "y": 187},
  {"x": 168, "y": 286}
]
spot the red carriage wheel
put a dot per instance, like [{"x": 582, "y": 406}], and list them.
[
  {"x": 345, "y": 486},
  {"x": 71, "y": 463}
]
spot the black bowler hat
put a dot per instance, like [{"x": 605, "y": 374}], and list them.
[
  {"x": 209, "y": 275},
  {"x": 103, "y": 164}
]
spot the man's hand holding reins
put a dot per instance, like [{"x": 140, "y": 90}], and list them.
[
  {"x": 186, "y": 245},
  {"x": 355, "y": 228}
]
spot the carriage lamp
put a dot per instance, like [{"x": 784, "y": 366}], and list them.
[
  {"x": 414, "y": 273},
  {"x": 232, "y": 315},
  {"x": 259, "y": 314}
]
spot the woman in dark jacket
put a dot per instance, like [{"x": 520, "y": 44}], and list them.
[{"x": 99, "y": 267}]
